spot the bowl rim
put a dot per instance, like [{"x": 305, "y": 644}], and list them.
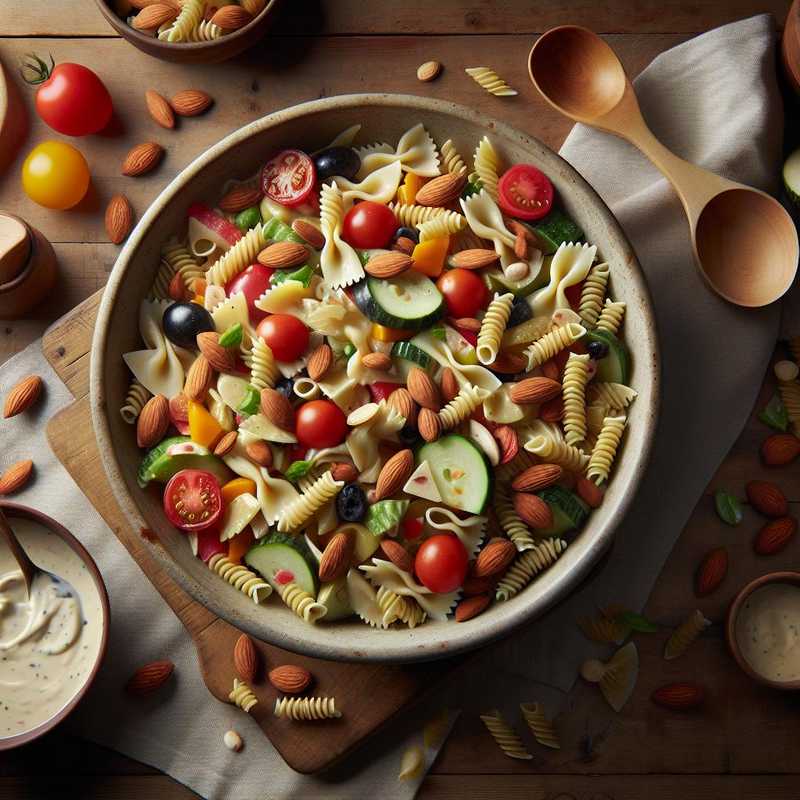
[
  {"x": 26, "y": 512},
  {"x": 467, "y": 638}
]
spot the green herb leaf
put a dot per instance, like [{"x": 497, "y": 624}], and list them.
[
  {"x": 774, "y": 415},
  {"x": 636, "y": 622},
  {"x": 251, "y": 400},
  {"x": 439, "y": 332},
  {"x": 728, "y": 507},
  {"x": 233, "y": 336},
  {"x": 297, "y": 470}
]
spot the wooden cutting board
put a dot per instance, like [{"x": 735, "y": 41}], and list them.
[{"x": 369, "y": 695}]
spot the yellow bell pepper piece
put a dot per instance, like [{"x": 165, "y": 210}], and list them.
[
  {"x": 240, "y": 544},
  {"x": 407, "y": 193},
  {"x": 199, "y": 299},
  {"x": 429, "y": 257},
  {"x": 232, "y": 489},
  {"x": 383, "y": 334},
  {"x": 203, "y": 428}
]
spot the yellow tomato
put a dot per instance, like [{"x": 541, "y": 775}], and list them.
[{"x": 55, "y": 175}]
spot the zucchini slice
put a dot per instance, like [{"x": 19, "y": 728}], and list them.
[{"x": 409, "y": 301}]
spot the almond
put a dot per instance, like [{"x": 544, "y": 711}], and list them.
[
  {"x": 15, "y": 477},
  {"x": 403, "y": 403},
  {"x": 551, "y": 370},
  {"x": 198, "y": 379},
  {"x": 473, "y": 585},
  {"x": 774, "y": 536},
  {"x": 494, "y": 558},
  {"x": 429, "y": 425},
  {"x": 148, "y": 678},
  {"x": 467, "y": 324},
  {"x": 281, "y": 255},
  {"x": 239, "y": 198},
  {"x": 220, "y": 358},
  {"x": 441, "y": 191},
  {"x": 428, "y": 71},
  {"x": 476, "y": 258},
  {"x": 509, "y": 363},
  {"x": 532, "y": 510},
  {"x": 22, "y": 396},
  {"x": 154, "y": 16},
  {"x": 277, "y": 408},
  {"x": 780, "y": 449},
  {"x": 290, "y": 679},
  {"x": 144, "y": 3},
  {"x": 552, "y": 410},
  {"x": 521, "y": 246},
  {"x": 152, "y": 422},
  {"x": 389, "y": 264},
  {"x": 177, "y": 288},
  {"x": 259, "y": 453},
  {"x": 246, "y": 659},
  {"x": 396, "y": 471},
  {"x": 678, "y": 696},
  {"x": 309, "y": 232},
  {"x": 471, "y": 607},
  {"x": 449, "y": 383},
  {"x": 343, "y": 471},
  {"x": 711, "y": 572},
  {"x": 539, "y": 476},
  {"x": 226, "y": 443},
  {"x": 336, "y": 557},
  {"x": 589, "y": 492},
  {"x": 767, "y": 498},
  {"x": 159, "y": 109},
  {"x": 142, "y": 158},
  {"x": 378, "y": 361},
  {"x": 119, "y": 218},
  {"x": 402, "y": 244},
  {"x": 231, "y": 18},
  {"x": 319, "y": 362},
  {"x": 397, "y": 554},
  {"x": 508, "y": 440},
  {"x": 423, "y": 389},
  {"x": 534, "y": 390},
  {"x": 191, "y": 102}
]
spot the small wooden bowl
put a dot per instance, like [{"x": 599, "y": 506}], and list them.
[
  {"x": 790, "y": 47},
  {"x": 17, "y": 511},
  {"x": 730, "y": 627},
  {"x": 193, "y": 52}
]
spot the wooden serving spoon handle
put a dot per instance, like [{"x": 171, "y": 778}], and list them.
[{"x": 27, "y": 567}]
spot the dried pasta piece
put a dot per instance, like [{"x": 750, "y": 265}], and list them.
[
  {"x": 576, "y": 376},
  {"x": 461, "y": 406},
  {"x": 611, "y": 395},
  {"x": 685, "y": 635},
  {"x": 541, "y": 727},
  {"x": 611, "y": 317},
  {"x": 204, "y": 31},
  {"x": 364, "y": 600},
  {"x": 396, "y": 608},
  {"x": 240, "y": 578},
  {"x": 510, "y": 521},
  {"x": 493, "y": 327},
  {"x": 617, "y": 677},
  {"x": 379, "y": 186},
  {"x": 451, "y": 159},
  {"x": 442, "y": 225},
  {"x": 240, "y": 256},
  {"x": 300, "y": 510},
  {"x": 470, "y": 530},
  {"x": 415, "y": 151},
  {"x": 506, "y": 739},
  {"x": 302, "y": 603},
  {"x": 242, "y": 695},
  {"x": 264, "y": 372},
  {"x": 604, "y": 627},
  {"x": 181, "y": 261},
  {"x": 528, "y": 564},
  {"x": 411, "y": 216},
  {"x": 555, "y": 341},
  {"x": 570, "y": 265},
  {"x": 486, "y": 163},
  {"x": 306, "y": 708},
  {"x": 561, "y": 453},
  {"x": 790, "y": 397},
  {"x": 412, "y": 763},
  {"x": 187, "y": 20},
  {"x": 135, "y": 399},
  {"x": 593, "y": 294},
  {"x": 488, "y": 79},
  {"x": 605, "y": 449},
  {"x": 340, "y": 263}
]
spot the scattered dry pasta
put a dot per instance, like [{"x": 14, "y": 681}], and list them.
[
  {"x": 307, "y": 708},
  {"x": 790, "y": 396},
  {"x": 541, "y": 727},
  {"x": 240, "y": 578},
  {"x": 593, "y": 294},
  {"x": 617, "y": 677},
  {"x": 507, "y": 740},
  {"x": 611, "y": 317},
  {"x": 493, "y": 326},
  {"x": 604, "y": 627},
  {"x": 135, "y": 399},
  {"x": 685, "y": 635},
  {"x": 488, "y": 79},
  {"x": 242, "y": 695}
]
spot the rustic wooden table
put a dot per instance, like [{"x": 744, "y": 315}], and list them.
[{"x": 744, "y": 742}]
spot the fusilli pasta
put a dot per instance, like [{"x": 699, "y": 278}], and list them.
[
  {"x": 790, "y": 397},
  {"x": 561, "y": 453},
  {"x": 593, "y": 294},
  {"x": 685, "y": 635},
  {"x": 541, "y": 556},
  {"x": 300, "y": 510},
  {"x": 506, "y": 739},
  {"x": 488, "y": 79},
  {"x": 442, "y": 225},
  {"x": 412, "y": 215},
  {"x": 204, "y": 31},
  {"x": 541, "y": 727},
  {"x": 510, "y": 522},
  {"x": 242, "y": 695},
  {"x": 576, "y": 376},
  {"x": 264, "y": 371},
  {"x": 240, "y": 577},
  {"x": 302, "y": 603},
  {"x": 187, "y": 20},
  {"x": 451, "y": 158},
  {"x": 493, "y": 326},
  {"x": 555, "y": 341},
  {"x": 461, "y": 406},
  {"x": 611, "y": 317},
  {"x": 605, "y": 449},
  {"x": 487, "y": 164},
  {"x": 135, "y": 399},
  {"x": 238, "y": 258},
  {"x": 183, "y": 262},
  {"x": 615, "y": 396},
  {"x": 306, "y": 708}
]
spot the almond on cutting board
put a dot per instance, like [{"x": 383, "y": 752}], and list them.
[
  {"x": 15, "y": 477},
  {"x": 22, "y": 396},
  {"x": 245, "y": 659},
  {"x": 149, "y": 677},
  {"x": 118, "y": 218},
  {"x": 289, "y": 678},
  {"x": 429, "y": 71},
  {"x": 780, "y": 449},
  {"x": 678, "y": 696},
  {"x": 190, "y": 102},
  {"x": 767, "y": 498},
  {"x": 142, "y": 158},
  {"x": 159, "y": 109},
  {"x": 774, "y": 536},
  {"x": 711, "y": 572}
]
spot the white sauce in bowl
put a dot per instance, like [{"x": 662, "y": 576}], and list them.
[
  {"x": 768, "y": 631},
  {"x": 49, "y": 642}
]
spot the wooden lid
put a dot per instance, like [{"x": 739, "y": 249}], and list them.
[{"x": 15, "y": 246}]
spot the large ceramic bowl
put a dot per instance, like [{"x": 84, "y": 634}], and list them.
[{"x": 310, "y": 126}]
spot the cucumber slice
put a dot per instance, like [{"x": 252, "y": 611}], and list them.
[
  {"x": 615, "y": 367},
  {"x": 569, "y": 511},
  {"x": 498, "y": 282},
  {"x": 410, "y": 352},
  {"x": 385, "y": 515},
  {"x": 409, "y": 301},
  {"x": 336, "y": 598},
  {"x": 460, "y": 470},
  {"x": 555, "y": 229},
  {"x": 284, "y": 554},
  {"x": 177, "y": 453},
  {"x": 791, "y": 177}
]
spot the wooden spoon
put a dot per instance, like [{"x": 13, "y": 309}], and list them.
[
  {"x": 27, "y": 567},
  {"x": 745, "y": 243}
]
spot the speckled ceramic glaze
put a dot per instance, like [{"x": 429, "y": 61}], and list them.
[{"x": 310, "y": 126}]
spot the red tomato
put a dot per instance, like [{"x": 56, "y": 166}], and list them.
[
  {"x": 179, "y": 413},
  {"x": 71, "y": 99},
  {"x": 464, "y": 292},
  {"x": 285, "y": 334},
  {"x": 208, "y": 544},
  {"x": 295, "y": 452},
  {"x": 369, "y": 225},
  {"x": 253, "y": 282},
  {"x": 525, "y": 192},
  {"x": 573, "y": 294},
  {"x": 193, "y": 500},
  {"x": 289, "y": 178},
  {"x": 441, "y": 563},
  {"x": 380, "y": 390},
  {"x": 320, "y": 423},
  {"x": 411, "y": 527}
]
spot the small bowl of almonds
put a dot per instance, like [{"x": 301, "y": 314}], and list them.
[{"x": 190, "y": 31}]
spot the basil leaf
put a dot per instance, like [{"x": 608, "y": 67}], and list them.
[
  {"x": 636, "y": 622},
  {"x": 728, "y": 507},
  {"x": 251, "y": 400},
  {"x": 774, "y": 414},
  {"x": 297, "y": 469}
]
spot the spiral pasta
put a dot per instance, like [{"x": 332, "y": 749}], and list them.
[
  {"x": 487, "y": 164},
  {"x": 611, "y": 395},
  {"x": 576, "y": 376},
  {"x": 506, "y": 739},
  {"x": 461, "y": 406},
  {"x": 521, "y": 461},
  {"x": 593, "y": 294},
  {"x": 510, "y": 522},
  {"x": 242, "y": 695},
  {"x": 442, "y": 225},
  {"x": 541, "y": 556},
  {"x": 180, "y": 260},
  {"x": 467, "y": 240},
  {"x": 544, "y": 348},
  {"x": 135, "y": 399},
  {"x": 790, "y": 397},
  {"x": 604, "y": 627},
  {"x": 611, "y": 317},
  {"x": 301, "y": 509},
  {"x": 685, "y": 635},
  {"x": 187, "y": 20},
  {"x": 306, "y": 708},
  {"x": 397, "y": 608},
  {"x": 541, "y": 727},
  {"x": 240, "y": 577},
  {"x": 451, "y": 158},
  {"x": 204, "y": 31},
  {"x": 412, "y": 215},
  {"x": 605, "y": 450},
  {"x": 302, "y": 603},
  {"x": 160, "y": 288},
  {"x": 264, "y": 371},
  {"x": 488, "y": 79},
  {"x": 493, "y": 326},
  {"x": 238, "y": 258}
]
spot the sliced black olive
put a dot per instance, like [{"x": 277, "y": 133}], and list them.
[
  {"x": 520, "y": 312},
  {"x": 183, "y": 321},
  {"x": 351, "y": 503},
  {"x": 286, "y": 387},
  {"x": 597, "y": 350},
  {"x": 409, "y": 233},
  {"x": 342, "y": 161}
]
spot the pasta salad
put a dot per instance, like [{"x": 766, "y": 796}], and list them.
[{"x": 378, "y": 384}]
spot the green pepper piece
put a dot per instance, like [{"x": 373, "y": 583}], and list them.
[
  {"x": 247, "y": 219},
  {"x": 233, "y": 336},
  {"x": 251, "y": 402}
]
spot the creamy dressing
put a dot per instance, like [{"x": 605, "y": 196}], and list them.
[
  {"x": 768, "y": 631},
  {"x": 50, "y": 641}
]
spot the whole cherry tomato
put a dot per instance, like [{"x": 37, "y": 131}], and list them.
[
  {"x": 369, "y": 225},
  {"x": 286, "y": 335},
  {"x": 320, "y": 423},
  {"x": 71, "y": 99},
  {"x": 525, "y": 192},
  {"x": 55, "y": 175},
  {"x": 252, "y": 282},
  {"x": 289, "y": 178},
  {"x": 441, "y": 563},
  {"x": 464, "y": 292},
  {"x": 193, "y": 500}
]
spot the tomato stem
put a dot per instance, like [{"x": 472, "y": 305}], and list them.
[{"x": 35, "y": 71}]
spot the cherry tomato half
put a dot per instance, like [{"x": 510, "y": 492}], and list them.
[
  {"x": 289, "y": 178},
  {"x": 252, "y": 282},
  {"x": 464, "y": 292},
  {"x": 285, "y": 334},
  {"x": 525, "y": 192},
  {"x": 441, "y": 563},
  {"x": 208, "y": 544},
  {"x": 369, "y": 225},
  {"x": 55, "y": 175},
  {"x": 320, "y": 423},
  {"x": 193, "y": 500}
]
